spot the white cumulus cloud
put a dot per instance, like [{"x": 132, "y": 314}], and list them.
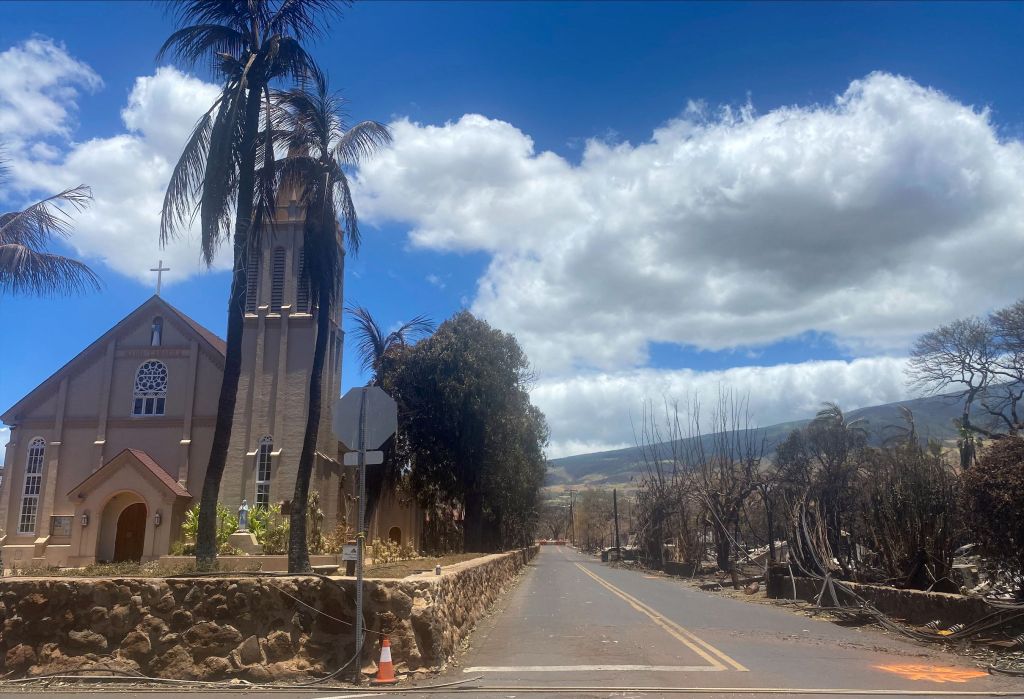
[
  {"x": 39, "y": 82},
  {"x": 869, "y": 219},
  {"x": 128, "y": 171},
  {"x": 595, "y": 411}
]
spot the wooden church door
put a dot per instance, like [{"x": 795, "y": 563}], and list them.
[{"x": 131, "y": 533}]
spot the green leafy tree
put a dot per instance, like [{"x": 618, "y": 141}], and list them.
[
  {"x": 26, "y": 266},
  {"x": 475, "y": 441},
  {"x": 227, "y": 165},
  {"x": 321, "y": 146}
]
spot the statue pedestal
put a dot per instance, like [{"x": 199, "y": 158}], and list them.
[{"x": 246, "y": 541}]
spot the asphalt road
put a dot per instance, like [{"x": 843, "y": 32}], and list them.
[
  {"x": 575, "y": 622},
  {"x": 576, "y": 627}
]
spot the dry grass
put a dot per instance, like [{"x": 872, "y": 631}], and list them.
[{"x": 412, "y": 566}]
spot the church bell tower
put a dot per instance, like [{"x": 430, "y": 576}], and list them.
[{"x": 273, "y": 389}]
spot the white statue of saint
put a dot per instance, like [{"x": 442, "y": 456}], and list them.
[{"x": 243, "y": 516}]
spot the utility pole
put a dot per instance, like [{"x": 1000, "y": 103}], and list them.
[
  {"x": 572, "y": 521},
  {"x": 615, "y": 513}
]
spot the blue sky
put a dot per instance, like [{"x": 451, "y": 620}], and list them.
[{"x": 657, "y": 199}]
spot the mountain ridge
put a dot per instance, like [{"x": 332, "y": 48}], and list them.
[{"x": 933, "y": 416}]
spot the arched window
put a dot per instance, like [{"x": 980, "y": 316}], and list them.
[
  {"x": 150, "y": 389},
  {"x": 395, "y": 535},
  {"x": 301, "y": 285},
  {"x": 252, "y": 280},
  {"x": 33, "y": 484},
  {"x": 156, "y": 334},
  {"x": 263, "y": 470},
  {"x": 277, "y": 281}
]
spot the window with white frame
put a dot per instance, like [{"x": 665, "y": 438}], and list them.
[
  {"x": 263, "y": 469},
  {"x": 150, "y": 389},
  {"x": 33, "y": 484}
]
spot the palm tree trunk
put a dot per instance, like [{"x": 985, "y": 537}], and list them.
[
  {"x": 206, "y": 534},
  {"x": 298, "y": 549}
]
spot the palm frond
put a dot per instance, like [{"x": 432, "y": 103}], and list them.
[
  {"x": 220, "y": 172},
  {"x": 324, "y": 253},
  {"x": 292, "y": 61},
  {"x": 415, "y": 329},
  {"x": 370, "y": 339},
  {"x": 24, "y": 270},
  {"x": 195, "y": 43},
  {"x": 265, "y": 202},
  {"x": 346, "y": 211},
  {"x": 36, "y": 225},
  {"x": 305, "y": 18},
  {"x": 238, "y": 14},
  {"x": 295, "y": 172},
  {"x": 186, "y": 179},
  {"x": 361, "y": 141}
]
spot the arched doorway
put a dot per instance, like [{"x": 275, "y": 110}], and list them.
[
  {"x": 131, "y": 533},
  {"x": 395, "y": 535}
]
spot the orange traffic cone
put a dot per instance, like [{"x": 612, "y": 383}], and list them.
[{"x": 385, "y": 671}]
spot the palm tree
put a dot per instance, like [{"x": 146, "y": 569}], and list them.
[
  {"x": 321, "y": 145},
  {"x": 376, "y": 350},
  {"x": 375, "y": 346},
  {"x": 227, "y": 165},
  {"x": 834, "y": 443},
  {"x": 25, "y": 265}
]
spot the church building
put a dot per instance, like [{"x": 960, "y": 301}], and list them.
[{"x": 108, "y": 453}]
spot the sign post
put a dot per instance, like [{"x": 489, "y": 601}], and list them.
[{"x": 364, "y": 418}]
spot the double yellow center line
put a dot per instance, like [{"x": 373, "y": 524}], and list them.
[{"x": 715, "y": 657}]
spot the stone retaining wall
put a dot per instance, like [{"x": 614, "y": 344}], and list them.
[
  {"x": 912, "y": 606},
  {"x": 261, "y": 629}
]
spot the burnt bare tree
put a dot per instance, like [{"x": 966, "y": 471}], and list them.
[
  {"x": 980, "y": 362},
  {"x": 725, "y": 461},
  {"x": 666, "y": 510}
]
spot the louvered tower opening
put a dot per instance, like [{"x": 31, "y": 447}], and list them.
[
  {"x": 277, "y": 281},
  {"x": 302, "y": 286},
  {"x": 252, "y": 280}
]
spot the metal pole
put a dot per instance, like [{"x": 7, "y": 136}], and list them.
[
  {"x": 572, "y": 522},
  {"x": 360, "y": 535},
  {"x": 615, "y": 511}
]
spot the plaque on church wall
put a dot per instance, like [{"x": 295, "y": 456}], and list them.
[
  {"x": 60, "y": 525},
  {"x": 162, "y": 352}
]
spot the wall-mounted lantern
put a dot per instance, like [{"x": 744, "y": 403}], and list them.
[
  {"x": 157, "y": 518},
  {"x": 85, "y": 519}
]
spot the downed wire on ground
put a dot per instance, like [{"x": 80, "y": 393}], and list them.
[{"x": 1006, "y": 611}]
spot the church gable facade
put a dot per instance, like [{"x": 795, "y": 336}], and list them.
[
  {"x": 106, "y": 455},
  {"x": 149, "y": 384}
]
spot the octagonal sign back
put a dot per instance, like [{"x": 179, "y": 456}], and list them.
[{"x": 381, "y": 417}]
